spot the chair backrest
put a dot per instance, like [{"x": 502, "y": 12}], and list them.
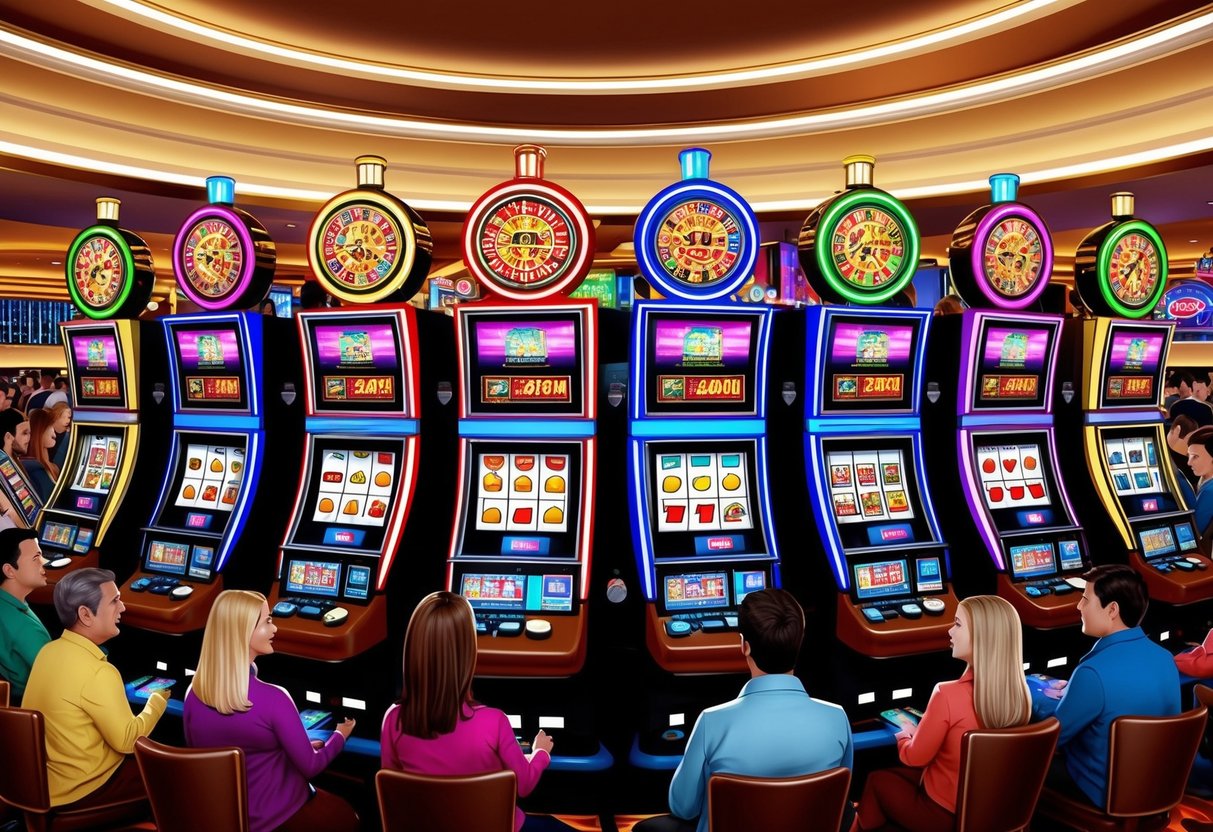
[
  {"x": 5, "y": 691},
  {"x": 1204, "y": 696},
  {"x": 742, "y": 804},
  {"x": 1150, "y": 760},
  {"x": 484, "y": 802},
  {"x": 194, "y": 788},
  {"x": 1001, "y": 774},
  {"x": 23, "y": 749}
]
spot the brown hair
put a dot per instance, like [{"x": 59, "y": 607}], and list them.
[
  {"x": 1185, "y": 423},
  {"x": 772, "y": 623},
  {"x": 439, "y": 661},
  {"x": 39, "y": 420}
]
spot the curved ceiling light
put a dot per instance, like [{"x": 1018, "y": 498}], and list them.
[
  {"x": 1159, "y": 41},
  {"x": 251, "y": 188},
  {"x": 234, "y": 41}
]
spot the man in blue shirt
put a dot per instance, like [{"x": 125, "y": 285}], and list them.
[
  {"x": 772, "y": 729},
  {"x": 1125, "y": 674}
]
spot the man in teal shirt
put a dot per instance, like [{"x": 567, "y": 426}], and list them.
[
  {"x": 772, "y": 729},
  {"x": 22, "y": 635}
]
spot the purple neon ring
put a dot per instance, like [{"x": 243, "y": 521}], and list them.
[
  {"x": 977, "y": 254},
  {"x": 247, "y": 266}
]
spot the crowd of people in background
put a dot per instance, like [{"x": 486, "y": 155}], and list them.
[
  {"x": 1189, "y": 417},
  {"x": 35, "y": 425}
]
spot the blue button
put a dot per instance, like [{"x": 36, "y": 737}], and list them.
[
  {"x": 890, "y": 534},
  {"x": 337, "y": 536},
  {"x": 678, "y": 629},
  {"x": 719, "y": 544},
  {"x": 873, "y": 615},
  {"x": 523, "y": 546},
  {"x": 1035, "y": 517}
]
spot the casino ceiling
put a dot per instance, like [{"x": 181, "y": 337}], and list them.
[{"x": 142, "y": 101}]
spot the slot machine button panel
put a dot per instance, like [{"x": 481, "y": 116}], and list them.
[
  {"x": 911, "y": 611},
  {"x": 933, "y": 606},
  {"x": 678, "y": 629},
  {"x": 874, "y": 615},
  {"x": 509, "y": 629},
  {"x": 285, "y": 609}
]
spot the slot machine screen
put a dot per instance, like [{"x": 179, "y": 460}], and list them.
[
  {"x": 1017, "y": 481},
  {"x": 869, "y": 364},
  {"x": 1157, "y": 542},
  {"x": 881, "y": 579},
  {"x": 355, "y": 363},
  {"x": 212, "y": 371},
  {"x": 522, "y": 500},
  {"x": 700, "y": 364},
  {"x": 314, "y": 577},
  {"x": 96, "y": 455},
  {"x": 524, "y": 363},
  {"x": 352, "y": 487},
  {"x": 704, "y": 499},
  {"x": 97, "y": 367},
  {"x": 1032, "y": 560},
  {"x": 1132, "y": 367},
  {"x": 696, "y": 591},
  {"x": 547, "y": 593},
  {"x": 873, "y": 494},
  {"x": 1011, "y": 364},
  {"x": 1133, "y": 459},
  {"x": 207, "y": 483}
]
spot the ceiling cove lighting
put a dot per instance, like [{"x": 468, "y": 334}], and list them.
[
  {"x": 1111, "y": 163},
  {"x": 234, "y": 41},
  {"x": 1158, "y": 42}
]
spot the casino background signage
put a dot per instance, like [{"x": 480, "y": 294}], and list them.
[
  {"x": 109, "y": 270},
  {"x": 860, "y": 246},
  {"x": 365, "y": 245},
  {"x": 697, "y": 239},
  {"x": 1001, "y": 254},
  {"x": 1189, "y": 303},
  {"x": 222, "y": 256},
  {"x": 527, "y": 238},
  {"x": 1120, "y": 268}
]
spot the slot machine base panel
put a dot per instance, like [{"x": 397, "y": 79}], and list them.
[
  {"x": 310, "y": 639},
  {"x": 1175, "y": 587},
  {"x": 697, "y": 653},
  {"x": 562, "y": 654},
  {"x": 899, "y": 637},
  {"x": 1048, "y": 612},
  {"x": 45, "y": 595},
  {"x": 162, "y": 614}
]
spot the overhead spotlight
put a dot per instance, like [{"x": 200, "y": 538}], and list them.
[{"x": 291, "y": 225}]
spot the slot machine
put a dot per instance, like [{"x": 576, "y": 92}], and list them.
[
  {"x": 1117, "y": 365},
  {"x": 992, "y": 375},
  {"x": 889, "y": 578},
  {"x": 112, "y": 363}
]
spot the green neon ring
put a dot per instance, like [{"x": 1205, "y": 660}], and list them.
[
  {"x": 1103, "y": 268},
  {"x": 128, "y": 271},
  {"x": 847, "y": 203}
]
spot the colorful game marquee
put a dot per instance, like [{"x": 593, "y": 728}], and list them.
[
  {"x": 1120, "y": 268},
  {"x": 109, "y": 269}
]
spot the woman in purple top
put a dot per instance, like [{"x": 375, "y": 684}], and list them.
[
  {"x": 227, "y": 705},
  {"x": 436, "y": 727}
]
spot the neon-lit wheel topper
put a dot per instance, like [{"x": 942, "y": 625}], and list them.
[
  {"x": 861, "y": 246},
  {"x": 222, "y": 256},
  {"x": 528, "y": 238},
  {"x": 365, "y": 245},
  {"x": 1001, "y": 255},
  {"x": 109, "y": 270},
  {"x": 1120, "y": 268},
  {"x": 697, "y": 239}
]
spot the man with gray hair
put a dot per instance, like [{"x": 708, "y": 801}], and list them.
[{"x": 90, "y": 731}]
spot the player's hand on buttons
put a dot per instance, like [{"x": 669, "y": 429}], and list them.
[
  {"x": 317, "y": 744},
  {"x": 346, "y": 728},
  {"x": 1056, "y": 689},
  {"x": 164, "y": 693},
  {"x": 542, "y": 742},
  {"x": 908, "y": 728}
]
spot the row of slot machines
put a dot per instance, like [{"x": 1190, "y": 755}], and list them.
[{"x": 364, "y": 433}]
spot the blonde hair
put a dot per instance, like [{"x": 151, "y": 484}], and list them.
[
  {"x": 439, "y": 662},
  {"x": 222, "y": 679},
  {"x": 1000, "y": 692}
]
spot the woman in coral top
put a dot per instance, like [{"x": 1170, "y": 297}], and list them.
[
  {"x": 437, "y": 728},
  {"x": 991, "y": 693}
]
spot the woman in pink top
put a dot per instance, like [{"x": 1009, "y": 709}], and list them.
[
  {"x": 436, "y": 727},
  {"x": 991, "y": 693}
]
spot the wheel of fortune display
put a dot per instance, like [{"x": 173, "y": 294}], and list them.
[
  {"x": 109, "y": 269},
  {"x": 697, "y": 239},
  {"x": 528, "y": 238},
  {"x": 1001, "y": 255},
  {"x": 367, "y": 246},
  {"x": 1120, "y": 268},
  {"x": 860, "y": 246},
  {"x": 222, "y": 256}
]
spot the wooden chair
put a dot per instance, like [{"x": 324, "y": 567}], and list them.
[
  {"x": 24, "y": 784},
  {"x": 1001, "y": 775},
  {"x": 1148, "y": 766},
  {"x": 423, "y": 803},
  {"x": 217, "y": 793},
  {"x": 777, "y": 804}
]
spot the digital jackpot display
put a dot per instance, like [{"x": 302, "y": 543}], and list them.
[
  {"x": 1011, "y": 366},
  {"x": 701, "y": 362},
  {"x": 98, "y": 371},
  {"x": 869, "y": 365},
  {"x": 212, "y": 370},
  {"x": 1132, "y": 367}
]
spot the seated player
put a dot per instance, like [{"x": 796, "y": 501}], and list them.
[
  {"x": 1124, "y": 674},
  {"x": 37, "y": 462},
  {"x": 436, "y": 727},
  {"x": 22, "y": 634},
  {"x": 90, "y": 730},
  {"x": 62, "y": 420},
  {"x": 14, "y": 435},
  {"x": 227, "y": 705},
  {"x": 1193, "y": 395},
  {"x": 1177, "y": 445},
  {"x": 772, "y": 729},
  {"x": 991, "y": 693},
  {"x": 1200, "y": 460}
]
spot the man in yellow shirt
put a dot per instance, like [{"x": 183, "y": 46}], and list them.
[{"x": 90, "y": 731}]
